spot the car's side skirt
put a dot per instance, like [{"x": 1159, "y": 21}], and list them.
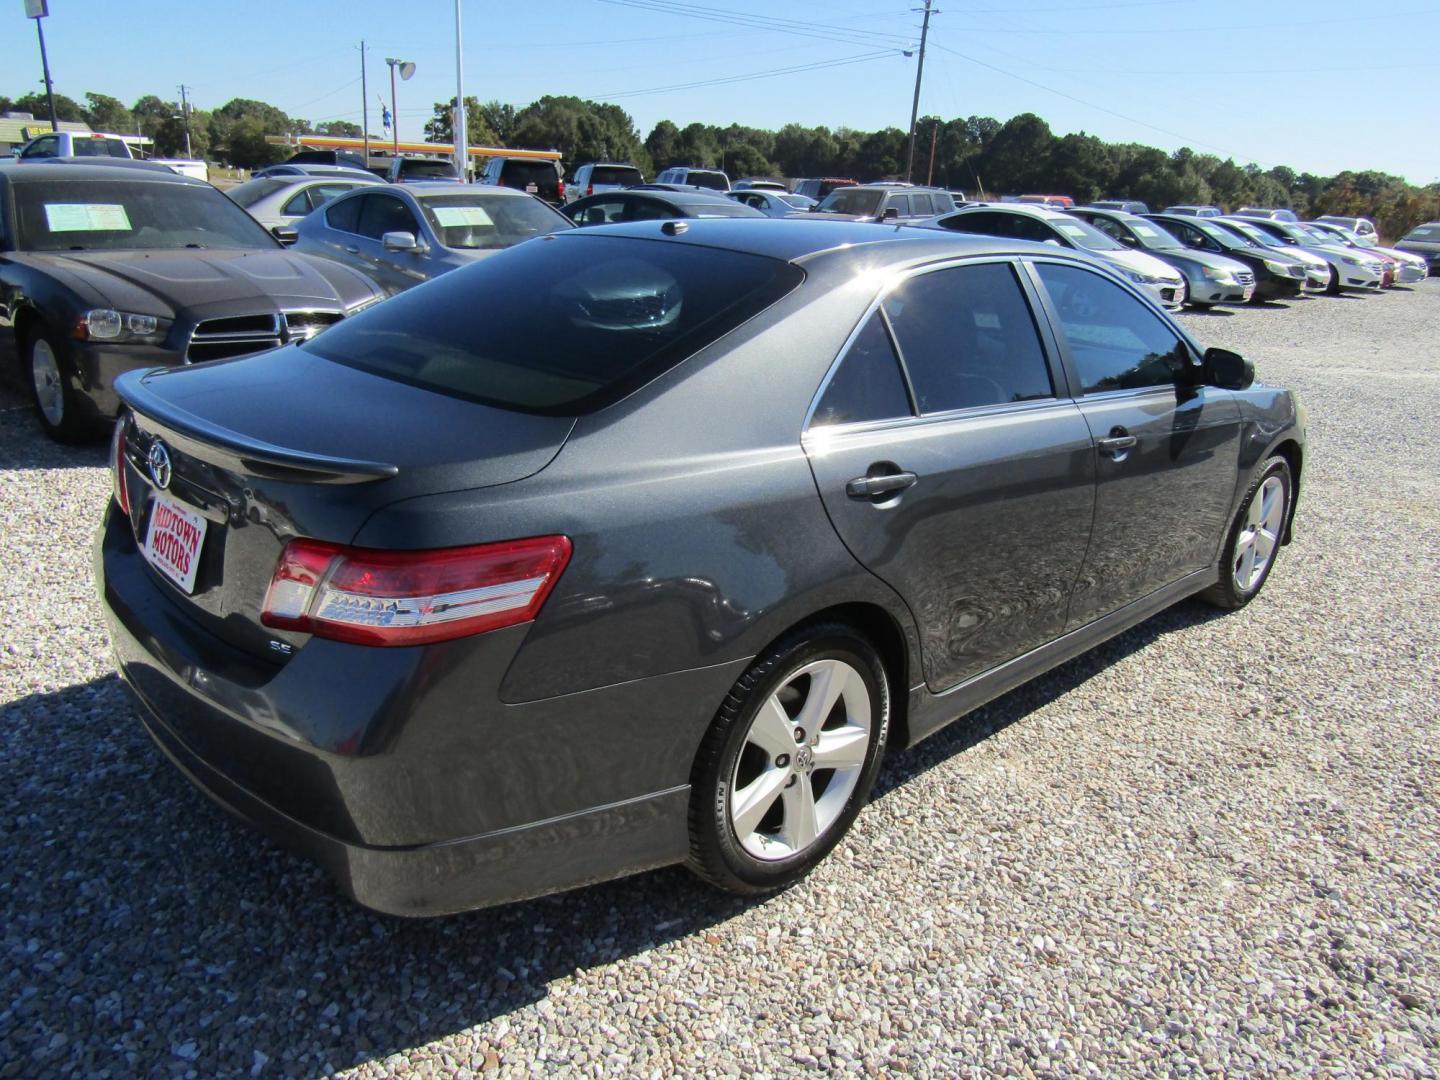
[{"x": 929, "y": 712}]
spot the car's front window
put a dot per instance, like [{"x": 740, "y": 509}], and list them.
[
  {"x": 478, "y": 222},
  {"x": 1430, "y": 233},
  {"x": 1086, "y": 236},
  {"x": 1155, "y": 238},
  {"x": 800, "y": 202},
  {"x": 96, "y": 215}
]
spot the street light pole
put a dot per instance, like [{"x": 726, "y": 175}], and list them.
[
  {"x": 365, "y": 105},
  {"x": 37, "y": 10},
  {"x": 406, "y": 70},
  {"x": 915, "y": 104},
  {"x": 185, "y": 112},
  {"x": 462, "y": 155}
]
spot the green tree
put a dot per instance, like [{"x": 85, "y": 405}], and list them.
[
  {"x": 105, "y": 113},
  {"x": 440, "y": 128},
  {"x": 1017, "y": 158},
  {"x": 342, "y": 129},
  {"x": 581, "y": 130},
  {"x": 499, "y": 118},
  {"x": 37, "y": 105},
  {"x": 238, "y": 128},
  {"x": 663, "y": 145}
]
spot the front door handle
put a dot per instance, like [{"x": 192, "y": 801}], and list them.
[
  {"x": 867, "y": 487},
  {"x": 353, "y": 250},
  {"x": 1117, "y": 443}
]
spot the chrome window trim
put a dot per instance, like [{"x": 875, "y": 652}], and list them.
[{"x": 1015, "y": 261}]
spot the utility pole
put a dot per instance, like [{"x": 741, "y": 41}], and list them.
[
  {"x": 185, "y": 113},
  {"x": 365, "y": 106},
  {"x": 462, "y": 155},
  {"x": 915, "y": 105},
  {"x": 37, "y": 10},
  {"x": 934, "y": 136}
]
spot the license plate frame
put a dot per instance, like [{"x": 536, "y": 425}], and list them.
[{"x": 174, "y": 539}]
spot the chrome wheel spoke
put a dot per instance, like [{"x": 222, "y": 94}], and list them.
[
  {"x": 45, "y": 373},
  {"x": 772, "y": 730},
  {"x": 1257, "y": 540},
  {"x": 801, "y": 825},
  {"x": 842, "y": 748},
  {"x": 1264, "y": 545},
  {"x": 828, "y": 680},
  {"x": 751, "y": 803}
]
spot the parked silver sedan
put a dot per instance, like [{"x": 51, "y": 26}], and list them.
[
  {"x": 771, "y": 203},
  {"x": 401, "y": 236},
  {"x": 283, "y": 199}
]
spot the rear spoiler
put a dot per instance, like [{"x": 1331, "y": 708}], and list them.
[{"x": 200, "y": 438}]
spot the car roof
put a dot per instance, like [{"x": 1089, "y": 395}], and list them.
[
  {"x": 1115, "y": 213},
  {"x": 53, "y": 169},
  {"x": 426, "y": 188},
  {"x": 1036, "y": 210},
  {"x": 799, "y": 239},
  {"x": 683, "y": 197}
]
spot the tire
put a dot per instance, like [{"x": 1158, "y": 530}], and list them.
[
  {"x": 1333, "y": 289},
  {"x": 47, "y": 370},
  {"x": 1261, "y": 522},
  {"x": 759, "y": 744}
]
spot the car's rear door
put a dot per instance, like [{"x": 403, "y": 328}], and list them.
[
  {"x": 394, "y": 271},
  {"x": 1167, "y": 450},
  {"x": 955, "y": 467}
]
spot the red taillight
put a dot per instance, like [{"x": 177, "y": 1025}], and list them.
[
  {"x": 117, "y": 467},
  {"x": 559, "y": 189},
  {"x": 372, "y": 597},
  {"x": 590, "y": 190}
]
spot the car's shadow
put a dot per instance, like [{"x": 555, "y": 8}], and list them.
[
  {"x": 1210, "y": 311},
  {"x": 24, "y": 444},
  {"x": 146, "y": 926}
]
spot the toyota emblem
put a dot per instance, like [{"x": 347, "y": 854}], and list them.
[{"x": 158, "y": 462}]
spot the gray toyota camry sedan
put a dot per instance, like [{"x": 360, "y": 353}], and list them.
[{"x": 639, "y": 544}]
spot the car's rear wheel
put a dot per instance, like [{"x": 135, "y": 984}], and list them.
[
  {"x": 1255, "y": 537},
  {"x": 789, "y": 760},
  {"x": 48, "y": 371}
]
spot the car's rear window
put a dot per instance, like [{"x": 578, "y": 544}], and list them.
[
  {"x": 82, "y": 146},
  {"x": 543, "y": 174},
  {"x": 622, "y": 175},
  {"x": 252, "y": 191},
  {"x": 419, "y": 167},
  {"x": 713, "y": 180},
  {"x": 560, "y": 326}
]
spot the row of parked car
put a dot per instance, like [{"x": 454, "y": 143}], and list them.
[{"x": 114, "y": 265}]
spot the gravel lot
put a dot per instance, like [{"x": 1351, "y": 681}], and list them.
[{"x": 1210, "y": 846}]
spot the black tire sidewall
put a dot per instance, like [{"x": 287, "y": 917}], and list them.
[{"x": 717, "y": 839}]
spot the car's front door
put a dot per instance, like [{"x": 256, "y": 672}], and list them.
[
  {"x": 971, "y": 493},
  {"x": 1166, "y": 449},
  {"x": 393, "y": 271}
]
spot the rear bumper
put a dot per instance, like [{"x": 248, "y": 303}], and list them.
[{"x": 402, "y": 771}]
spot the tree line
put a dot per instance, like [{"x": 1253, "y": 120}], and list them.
[{"x": 977, "y": 155}]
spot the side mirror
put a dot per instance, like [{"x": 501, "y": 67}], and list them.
[
  {"x": 1227, "y": 370},
  {"x": 1128, "y": 240},
  {"x": 892, "y": 213},
  {"x": 401, "y": 241},
  {"x": 285, "y": 234}
]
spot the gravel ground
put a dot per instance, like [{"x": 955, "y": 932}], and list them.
[{"x": 1210, "y": 846}]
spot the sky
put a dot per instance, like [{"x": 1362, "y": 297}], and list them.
[{"x": 1321, "y": 86}]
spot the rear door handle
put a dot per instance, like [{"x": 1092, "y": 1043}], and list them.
[
  {"x": 353, "y": 250},
  {"x": 867, "y": 487},
  {"x": 1116, "y": 443}
]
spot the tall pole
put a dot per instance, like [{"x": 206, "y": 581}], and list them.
[
  {"x": 934, "y": 136},
  {"x": 394, "y": 114},
  {"x": 462, "y": 156},
  {"x": 365, "y": 106},
  {"x": 185, "y": 112},
  {"x": 915, "y": 104},
  {"x": 45, "y": 65}
]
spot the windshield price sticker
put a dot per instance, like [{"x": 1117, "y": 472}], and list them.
[
  {"x": 461, "y": 216},
  {"x": 1072, "y": 230},
  {"x": 1143, "y": 230},
  {"x": 86, "y": 217},
  {"x": 172, "y": 544}
]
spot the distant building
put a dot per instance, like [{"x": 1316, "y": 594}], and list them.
[{"x": 18, "y": 128}]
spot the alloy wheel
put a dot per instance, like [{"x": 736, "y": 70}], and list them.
[
  {"x": 1256, "y": 542},
  {"x": 49, "y": 390},
  {"x": 802, "y": 757}
]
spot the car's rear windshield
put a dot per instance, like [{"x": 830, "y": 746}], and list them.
[
  {"x": 561, "y": 326},
  {"x": 621, "y": 175},
  {"x": 252, "y": 191},
  {"x": 717, "y": 209},
  {"x": 82, "y": 146},
  {"x": 419, "y": 167},
  {"x": 475, "y": 221},
  {"x": 519, "y": 173},
  {"x": 846, "y": 200},
  {"x": 713, "y": 180},
  {"x": 121, "y": 215}
]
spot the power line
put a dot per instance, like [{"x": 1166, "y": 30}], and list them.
[
  {"x": 772, "y": 73},
  {"x": 1212, "y": 29},
  {"x": 820, "y": 31}
]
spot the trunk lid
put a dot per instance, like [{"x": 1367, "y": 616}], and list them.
[{"x": 287, "y": 444}]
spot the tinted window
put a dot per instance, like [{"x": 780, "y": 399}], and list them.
[
  {"x": 560, "y": 326},
  {"x": 649, "y": 210},
  {"x": 380, "y": 214},
  {"x": 252, "y": 191},
  {"x": 624, "y": 175},
  {"x": 300, "y": 204},
  {"x": 1429, "y": 233},
  {"x": 1116, "y": 340},
  {"x": 519, "y": 174},
  {"x": 88, "y": 147},
  {"x": 713, "y": 180},
  {"x": 867, "y": 385},
  {"x": 344, "y": 215},
  {"x": 421, "y": 169},
  {"x": 968, "y": 339},
  {"x": 150, "y": 215},
  {"x": 601, "y": 212},
  {"x": 921, "y": 204}
]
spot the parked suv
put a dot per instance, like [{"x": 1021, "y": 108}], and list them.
[
  {"x": 416, "y": 170},
  {"x": 64, "y": 144},
  {"x": 817, "y": 189},
  {"x": 684, "y": 176},
  {"x": 882, "y": 202},
  {"x": 597, "y": 177},
  {"x": 537, "y": 176}
]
